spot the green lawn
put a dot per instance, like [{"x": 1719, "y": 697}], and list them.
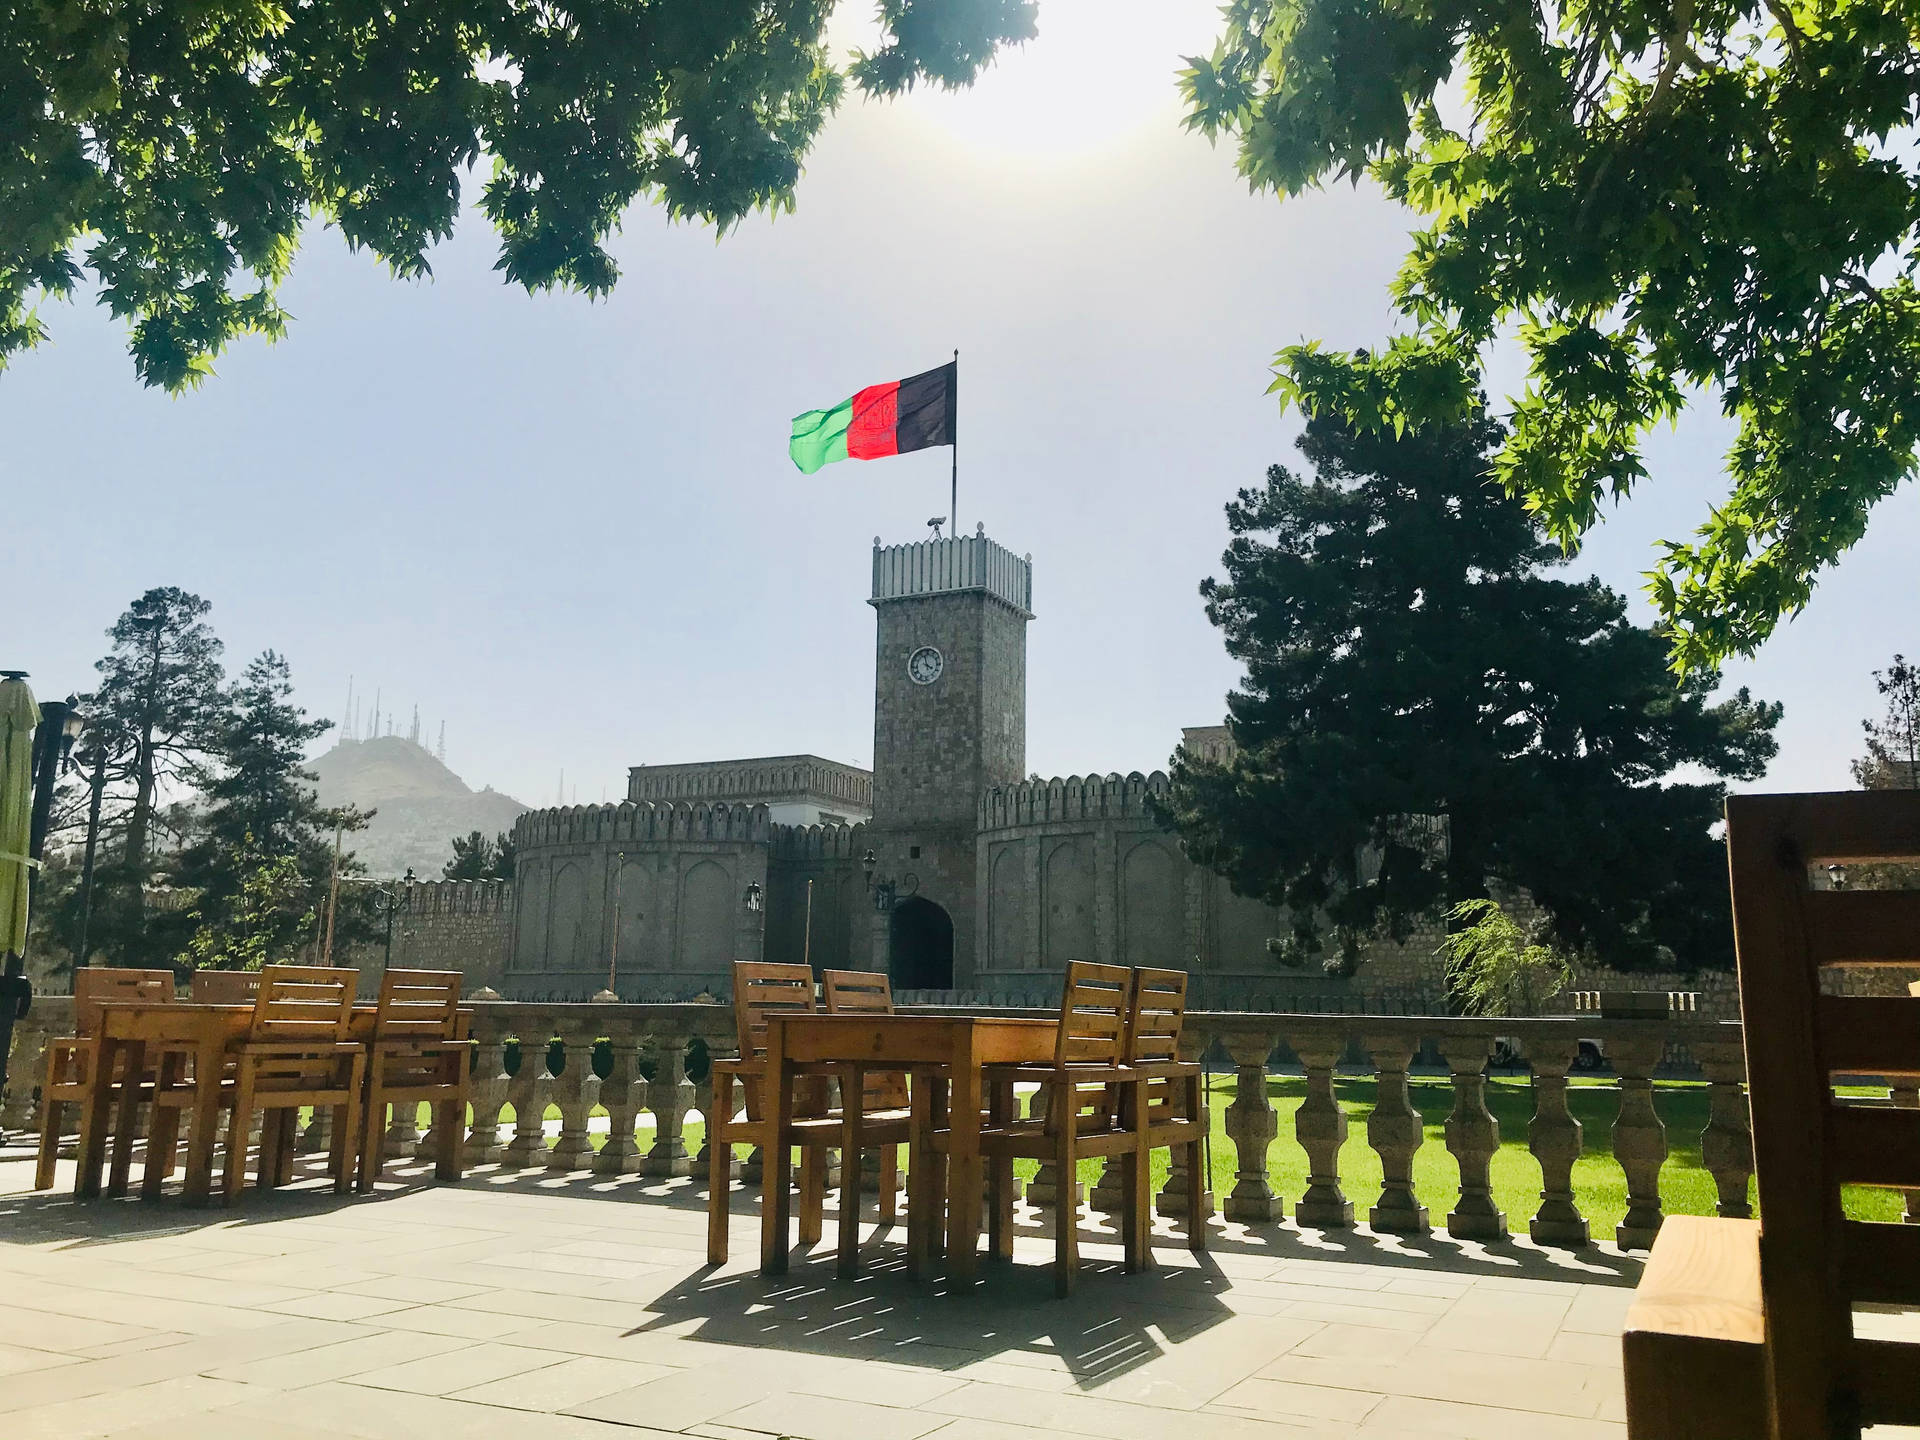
[{"x": 1600, "y": 1187}]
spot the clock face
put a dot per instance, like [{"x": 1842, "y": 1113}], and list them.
[{"x": 925, "y": 665}]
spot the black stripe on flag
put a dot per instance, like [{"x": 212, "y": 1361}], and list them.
[{"x": 924, "y": 410}]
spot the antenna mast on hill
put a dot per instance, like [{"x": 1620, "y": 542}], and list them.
[
  {"x": 440, "y": 750},
  {"x": 376, "y": 712},
  {"x": 413, "y": 735},
  {"x": 346, "y": 721}
]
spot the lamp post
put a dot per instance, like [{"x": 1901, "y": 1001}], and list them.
[
  {"x": 96, "y": 788},
  {"x": 60, "y": 725}
]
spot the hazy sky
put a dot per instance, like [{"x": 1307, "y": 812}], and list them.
[{"x": 571, "y": 529}]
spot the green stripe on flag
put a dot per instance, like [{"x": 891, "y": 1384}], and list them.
[{"x": 820, "y": 436}]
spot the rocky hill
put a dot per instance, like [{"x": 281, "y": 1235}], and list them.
[{"x": 422, "y": 804}]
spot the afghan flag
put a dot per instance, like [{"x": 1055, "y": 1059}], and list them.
[{"x": 890, "y": 419}]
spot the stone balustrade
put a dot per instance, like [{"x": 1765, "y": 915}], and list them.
[{"x": 633, "y": 1061}]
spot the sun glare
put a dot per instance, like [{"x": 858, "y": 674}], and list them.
[{"x": 1098, "y": 73}]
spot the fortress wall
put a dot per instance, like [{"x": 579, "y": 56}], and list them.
[
  {"x": 783, "y": 776},
  {"x": 830, "y": 857},
  {"x": 653, "y": 893},
  {"x": 464, "y": 925}
]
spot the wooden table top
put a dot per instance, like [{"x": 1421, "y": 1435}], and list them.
[{"x": 914, "y": 1039}]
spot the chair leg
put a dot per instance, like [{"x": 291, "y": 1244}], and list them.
[
  {"x": 349, "y": 1122},
  {"x": 163, "y": 1129},
  {"x": 270, "y": 1138},
  {"x": 1066, "y": 1207},
  {"x": 719, "y": 1190},
  {"x": 236, "y": 1168},
  {"x": 813, "y": 1191},
  {"x": 52, "y": 1112},
  {"x": 373, "y": 1134},
  {"x": 889, "y": 1184},
  {"x": 1196, "y": 1198},
  {"x": 449, "y": 1128},
  {"x": 343, "y": 1144},
  {"x": 1139, "y": 1205}
]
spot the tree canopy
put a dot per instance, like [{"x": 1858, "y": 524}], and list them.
[
  {"x": 181, "y": 148},
  {"x": 1892, "y": 761},
  {"x": 1427, "y": 714},
  {"x": 1653, "y": 199}
]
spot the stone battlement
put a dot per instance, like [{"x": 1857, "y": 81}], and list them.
[
  {"x": 1077, "y": 797},
  {"x": 803, "y": 843},
  {"x": 641, "y": 822},
  {"x": 765, "y": 780},
  {"x": 945, "y": 567},
  {"x": 457, "y": 897}
]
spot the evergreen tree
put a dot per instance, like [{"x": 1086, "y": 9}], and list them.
[
  {"x": 1892, "y": 761},
  {"x": 157, "y": 712},
  {"x": 477, "y": 858},
  {"x": 1427, "y": 714},
  {"x": 262, "y": 866}
]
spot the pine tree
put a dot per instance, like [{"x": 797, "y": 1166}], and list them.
[
  {"x": 477, "y": 858},
  {"x": 1892, "y": 761},
  {"x": 157, "y": 712},
  {"x": 1426, "y": 714},
  {"x": 261, "y": 867}
]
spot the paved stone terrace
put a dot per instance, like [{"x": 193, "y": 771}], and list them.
[{"x": 579, "y": 1308}]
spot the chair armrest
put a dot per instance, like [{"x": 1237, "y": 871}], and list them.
[
  {"x": 1164, "y": 1069},
  {"x": 752, "y": 1069},
  {"x": 1070, "y": 1074}
]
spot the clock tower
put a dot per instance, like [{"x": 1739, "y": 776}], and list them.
[{"x": 949, "y": 722}]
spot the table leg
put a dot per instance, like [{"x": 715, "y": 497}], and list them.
[
  {"x": 923, "y": 1195},
  {"x": 963, "y": 1161},
  {"x": 127, "y": 1120},
  {"x": 776, "y": 1170},
  {"x": 1000, "y": 1105},
  {"x": 96, "y": 1117},
  {"x": 208, "y": 1058},
  {"x": 852, "y": 1142},
  {"x": 163, "y": 1129}
]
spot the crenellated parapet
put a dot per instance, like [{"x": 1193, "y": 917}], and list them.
[
  {"x": 1074, "y": 798},
  {"x": 814, "y": 844},
  {"x": 457, "y": 897},
  {"x": 642, "y": 823},
  {"x": 773, "y": 779}
]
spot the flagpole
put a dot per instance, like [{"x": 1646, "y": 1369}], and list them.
[{"x": 953, "y": 505}]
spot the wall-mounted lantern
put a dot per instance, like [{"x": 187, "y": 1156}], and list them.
[{"x": 755, "y": 898}]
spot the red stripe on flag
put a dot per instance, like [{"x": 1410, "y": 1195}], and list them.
[{"x": 876, "y": 410}]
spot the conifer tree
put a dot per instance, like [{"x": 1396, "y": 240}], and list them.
[
  {"x": 1427, "y": 714},
  {"x": 1892, "y": 761}
]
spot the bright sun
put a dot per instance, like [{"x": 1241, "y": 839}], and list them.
[{"x": 1098, "y": 72}]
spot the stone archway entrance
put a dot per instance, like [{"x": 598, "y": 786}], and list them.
[{"x": 920, "y": 946}]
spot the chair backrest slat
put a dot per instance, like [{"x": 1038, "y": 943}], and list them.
[
  {"x": 417, "y": 1005},
  {"x": 225, "y": 987},
  {"x": 867, "y": 992},
  {"x": 1808, "y": 1140},
  {"x": 304, "y": 1003},
  {"x": 1093, "y": 1014},
  {"x": 761, "y": 989},
  {"x": 93, "y": 984},
  {"x": 1157, "y": 1015}
]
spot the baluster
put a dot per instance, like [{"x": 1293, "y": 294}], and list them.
[
  {"x": 703, "y": 1102},
  {"x": 669, "y": 1097},
  {"x": 1639, "y": 1139},
  {"x": 1320, "y": 1125},
  {"x": 527, "y": 1093},
  {"x": 1173, "y": 1199},
  {"x": 317, "y": 1136},
  {"x": 754, "y": 1168},
  {"x": 490, "y": 1082},
  {"x": 1252, "y": 1125},
  {"x": 620, "y": 1097},
  {"x": 26, "y": 1068},
  {"x": 1472, "y": 1137},
  {"x": 1554, "y": 1136},
  {"x": 403, "y": 1132},
  {"x": 572, "y": 1093},
  {"x": 1044, "y": 1186},
  {"x": 1395, "y": 1131},
  {"x": 1726, "y": 1145}
]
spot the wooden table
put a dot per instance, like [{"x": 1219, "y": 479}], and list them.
[
  {"x": 135, "y": 1029},
  {"x": 951, "y": 1047}
]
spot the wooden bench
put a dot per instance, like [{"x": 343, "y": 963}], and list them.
[{"x": 1747, "y": 1330}]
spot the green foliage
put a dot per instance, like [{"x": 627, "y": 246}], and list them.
[
  {"x": 180, "y": 149},
  {"x": 1653, "y": 199},
  {"x": 1494, "y": 967},
  {"x": 268, "y": 912},
  {"x": 1892, "y": 761},
  {"x": 1426, "y": 712},
  {"x": 475, "y": 857}
]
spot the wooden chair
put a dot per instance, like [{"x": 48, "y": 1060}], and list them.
[
  {"x": 296, "y": 1053},
  {"x": 761, "y": 990},
  {"x": 866, "y": 992},
  {"x": 69, "y": 1073},
  {"x": 176, "y": 1081},
  {"x": 1093, "y": 1105},
  {"x": 1746, "y": 1330},
  {"x": 1174, "y": 1097},
  {"x": 417, "y": 1053}
]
